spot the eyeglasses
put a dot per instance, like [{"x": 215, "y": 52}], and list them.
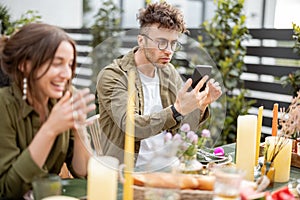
[{"x": 162, "y": 44}]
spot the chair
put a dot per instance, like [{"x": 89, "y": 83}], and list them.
[{"x": 92, "y": 132}]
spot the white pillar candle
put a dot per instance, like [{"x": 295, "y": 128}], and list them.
[
  {"x": 246, "y": 144},
  {"x": 102, "y": 178},
  {"x": 282, "y": 162}
]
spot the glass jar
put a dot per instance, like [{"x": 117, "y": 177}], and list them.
[
  {"x": 190, "y": 165},
  {"x": 268, "y": 170}
]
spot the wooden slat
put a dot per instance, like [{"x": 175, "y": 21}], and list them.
[
  {"x": 129, "y": 44},
  {"x": 78, "y": 30},
  {"x": 275, "y": 52},
  {"x": 267, "y": 87},
  {"x": 274, "y": 70},
  {"x": 83, "y": 54},
  {"x": 83, "y": 42},
  {"x": 268, "y": 104},
  {"x": 276, "y": 34}
]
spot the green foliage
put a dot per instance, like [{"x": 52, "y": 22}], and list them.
[
  {"x": 106, "y": 47},
  {"x": 296, "y": 37},
  {"x": 222, "y": 38},
  {"x": 9, "y": 27},
  {"x": 293, "y": 79},
  {"x": 86, "y": 6},
  {"x": 29, "y": 17},
  {"x": 107, "y": 22},
  {"x": 107, "y": 25},
  {"x": 5, "y": 18}
]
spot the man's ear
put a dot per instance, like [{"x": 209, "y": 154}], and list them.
[{"x": 140, "y": 40}]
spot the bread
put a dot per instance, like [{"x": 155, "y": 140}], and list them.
[
  {"x": 206, "y": 182},
  {"x": 168, "y": 180}
]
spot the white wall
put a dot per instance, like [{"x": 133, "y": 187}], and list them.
[
  {"x": 287, "y": 11},
  {"x": 68, "y": 13},
  {"x": 63, "y": 13}
]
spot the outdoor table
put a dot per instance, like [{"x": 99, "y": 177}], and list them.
[{"x": 77, "y": 187}]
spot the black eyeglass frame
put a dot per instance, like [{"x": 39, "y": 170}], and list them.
[{"x": 177, "y": 44}]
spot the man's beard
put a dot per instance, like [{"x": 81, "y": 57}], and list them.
[{"x": 149, "y": 57}]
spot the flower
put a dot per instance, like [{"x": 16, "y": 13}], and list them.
[
  {"x": 290, "y": 119},
  {"x": 219, "y": 151},
  {"x": 188, "y": 141}
]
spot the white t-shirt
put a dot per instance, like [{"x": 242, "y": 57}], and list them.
[{"x": 152, "y": 104}]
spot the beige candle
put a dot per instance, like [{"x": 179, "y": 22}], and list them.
[
  {"x": 246, "y": 144},
  {"x": 282, "y": 162},
  {"x": 102, "y": 178}
]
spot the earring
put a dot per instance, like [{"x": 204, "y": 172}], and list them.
[{"x": 24, "y": 89}]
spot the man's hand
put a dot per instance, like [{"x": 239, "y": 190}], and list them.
[
  {"x": 213, "y": 92},
  {"x": 187, "y": 102}
]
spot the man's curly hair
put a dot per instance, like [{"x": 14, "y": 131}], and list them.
[{"x": 163, "y": 14}]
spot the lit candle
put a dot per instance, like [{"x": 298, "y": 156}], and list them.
[
  {"x": 282, "y": 162},
  {"x": 102, "y": 178},
  {"x": 246, "y": 144},
  {"x": 259, "y": 124},
  {"x": 275, "y": 119},
  {"x": 129, "y": 139}
]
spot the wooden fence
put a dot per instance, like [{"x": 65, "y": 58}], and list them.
[{"x": 269, "y": 56}]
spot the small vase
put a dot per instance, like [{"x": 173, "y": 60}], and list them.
[
  {"x": 190, "y": 165},
  {"x": 268, "y": 170}
]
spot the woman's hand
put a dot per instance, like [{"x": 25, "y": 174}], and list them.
[{"x": 70, "y": 111}]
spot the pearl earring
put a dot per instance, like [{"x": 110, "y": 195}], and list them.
[{"x": 24, "y": 89}]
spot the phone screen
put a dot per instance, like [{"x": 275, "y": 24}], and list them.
[{"x": 199, "y": 72}]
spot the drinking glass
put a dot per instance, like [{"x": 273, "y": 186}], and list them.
[
  {"x": 45, "y": 186},
  {"x": 163, "y": 164},
  {"x": 102, "y": 178},
  {"x": 227, "y": 184}
]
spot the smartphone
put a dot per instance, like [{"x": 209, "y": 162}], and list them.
[{"x": 199, "y": 72}]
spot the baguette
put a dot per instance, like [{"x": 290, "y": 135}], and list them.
[
  {"x": 168, "y": 180},
  {"x": 206, "y": 182}
]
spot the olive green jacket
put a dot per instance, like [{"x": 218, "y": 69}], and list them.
[
  {"x": 18, "y": 125},
  {"x": 112, "y": 98}
]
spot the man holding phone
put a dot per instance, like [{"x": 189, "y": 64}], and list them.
[{"x": 162, "y": 101}]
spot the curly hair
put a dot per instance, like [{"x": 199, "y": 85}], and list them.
[{"x": 163, "y": 14}]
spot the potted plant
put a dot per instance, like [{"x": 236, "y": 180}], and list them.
[
  {"x": 105, "y": 47},
  {"x": 222, "y": 38}
]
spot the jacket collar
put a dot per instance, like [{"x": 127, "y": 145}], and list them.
[{"x": 26, "y": 109}]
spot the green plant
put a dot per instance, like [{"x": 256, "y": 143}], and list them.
[
  {"x": 5, "y": 18},
  {"x": 223, "y": 38},
  {"x": 293, "y": 79},
  {"x": 8, "y": 27},
  {"x": 29, "y": 17},
  {"x": 296, "y": 37},
  {"x": 106, "y": 48},
  {"x": 107, "y": 23}
]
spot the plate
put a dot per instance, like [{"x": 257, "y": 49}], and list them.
[{"x": 206, "y": 157}]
